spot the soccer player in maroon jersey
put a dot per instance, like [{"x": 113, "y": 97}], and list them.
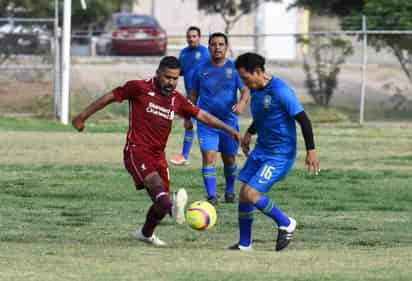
[{"x": 152, "y": 106}]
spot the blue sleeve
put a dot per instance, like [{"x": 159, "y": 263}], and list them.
[
  {"x": 195, "y": 82},
  {"x": 289, "y": 100}
]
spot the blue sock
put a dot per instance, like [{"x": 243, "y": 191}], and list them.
[
  {"x": 230, "y": 175},
  {"x": 209, "y": 179},
  {"x": 245, "y": 213},
  {"x": 187, "y": 143},
  {"x": 266, "y": 205}
]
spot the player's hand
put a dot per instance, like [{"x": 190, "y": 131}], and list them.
[
  {"x": 78, "y": 123},
  {"x": 239, "y": 108},
  {"x": 188, "y": 124},
  {"x": 236, "y": 135},
  {"x": 246, "y": 143},
  {"x": 312, "y": 162}
]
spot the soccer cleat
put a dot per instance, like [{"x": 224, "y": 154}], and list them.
[
  {"x": 179, "y": 160},
  {"x": 179, "y": 204},
  {"x": 285, "y": 234},
  {"x": 237, "y": 247},
  {"x": 153, "y": 240},
  {"x": 212, "y": 200},
  {"x": 230, "y": 198}
]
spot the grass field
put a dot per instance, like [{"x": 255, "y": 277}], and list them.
[{"x": 68, "y": 211}]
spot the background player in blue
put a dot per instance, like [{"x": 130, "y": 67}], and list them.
[
  {"x": 275, "y": 108},
  {"x": 214, "y": 89},
  {"x": 190, "y": 57}
]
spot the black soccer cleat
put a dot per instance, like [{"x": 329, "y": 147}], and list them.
[
  {"x": 230, "y": 198},
  {"x": 285, "y": 234},
  {"x": 212, "y": 200}
]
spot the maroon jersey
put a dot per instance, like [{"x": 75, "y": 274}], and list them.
[{"x": 151, "y": 114}]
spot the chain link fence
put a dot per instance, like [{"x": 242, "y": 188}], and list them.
[
  {"x": 27, "y": 66},
  {"x": 338, "y": 69}
]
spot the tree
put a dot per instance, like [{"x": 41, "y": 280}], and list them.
[
  {"x": 230, "y": 10},
  {"x": 329, "y": 53},
  {"x": 382, "y": 15}
]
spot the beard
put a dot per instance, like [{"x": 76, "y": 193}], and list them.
[{"x": 164, "y": 90}]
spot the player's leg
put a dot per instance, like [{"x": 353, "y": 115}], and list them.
[
  {"x": 230, "y": 170},
  {"x": 271, "y": 172},
  {"x": 245, "y": 208},
  {"x": 209, "y": 175},
  {"x": 229, "y": 147},
  {"x": 179, "y": 199},
  {"x": 208, "y": 142},
  {"x": 183, "y": 158},
  {"x": 144, "y": 171},
  {"x": 162, "y": 204}
]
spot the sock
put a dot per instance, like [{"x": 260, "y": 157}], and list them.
[
  {"x": 209, "y": 179},
  {"x": 266, "y": 205},
  {"x": 187, "y": 143},
  {"x": 161, "y": 206},
  {"x": 245, "y": 213},
  {"x": 230, "y": 176}
]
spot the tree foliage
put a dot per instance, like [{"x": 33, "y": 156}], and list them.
[
  {"x": 230, "y": 10},
  {"x": 322, "y": 66},
  {"x": 380, "y": 15}
]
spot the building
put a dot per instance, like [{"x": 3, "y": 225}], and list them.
[{"x": 271, "y": 18}]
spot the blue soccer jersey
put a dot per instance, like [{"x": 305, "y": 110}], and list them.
[
  {"x": 217, "y": 88},
  {"x": 189, "y": 59},
  {"x": 273, "y": 108}
]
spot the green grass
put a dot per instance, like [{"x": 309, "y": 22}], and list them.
[{"x": 68, "y": 211}]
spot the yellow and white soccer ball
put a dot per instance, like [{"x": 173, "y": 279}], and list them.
[{"x": 201, "y": 215}]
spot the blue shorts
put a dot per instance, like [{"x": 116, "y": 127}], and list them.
[
  {"x": 216, "y": 139},
  {"x": 261, "y": 172}
]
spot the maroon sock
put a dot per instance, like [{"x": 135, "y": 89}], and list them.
[{"x": 161, "y": 206}]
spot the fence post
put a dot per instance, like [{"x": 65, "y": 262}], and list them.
[
  {"x": 57, "y": 93},
  {"x": 65, "y": 82},
  {"x": 364, "y": 64}
]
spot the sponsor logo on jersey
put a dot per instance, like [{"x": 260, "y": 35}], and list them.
[
  {"x": 152, "y": 94},
  {"x": 161, "y": 111},
  {"x": 229, "y": 73},
  {"x": 267, "y": 99},
  {"x": 205, "y": 73}
]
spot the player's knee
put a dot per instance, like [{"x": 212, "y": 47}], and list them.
[
  {"x": 248, "y": 194},
  {"x": 163, "y": 203}
]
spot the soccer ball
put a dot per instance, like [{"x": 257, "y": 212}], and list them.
[{"x": 201, "y": 215}]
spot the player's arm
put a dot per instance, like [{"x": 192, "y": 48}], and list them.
[
  {"x": 100, "y": 103},
  {"x": 311, "y": 161},
  {"x": 247, "y": 138},
  {"x": 240, "y": 107},
  {"x": 212, "y": 121},
  {"x": 193, "y": 95}
]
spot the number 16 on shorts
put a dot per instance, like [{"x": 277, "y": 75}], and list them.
[{"x": 266, "y": 174}]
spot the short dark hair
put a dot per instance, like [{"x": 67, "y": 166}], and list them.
[
  {"x": 218, "y": 34},
  {"x": 250, "y": 62},
  {"x": 193, "y": 28},
  {"x": 169, "y": 62}
]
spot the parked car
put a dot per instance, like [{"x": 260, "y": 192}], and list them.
[
  {"x": 24, "y": 39},
  {"x": 133, "y": 34}
]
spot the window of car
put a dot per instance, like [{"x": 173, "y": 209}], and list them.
[{"x": 135, "y": 20}]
